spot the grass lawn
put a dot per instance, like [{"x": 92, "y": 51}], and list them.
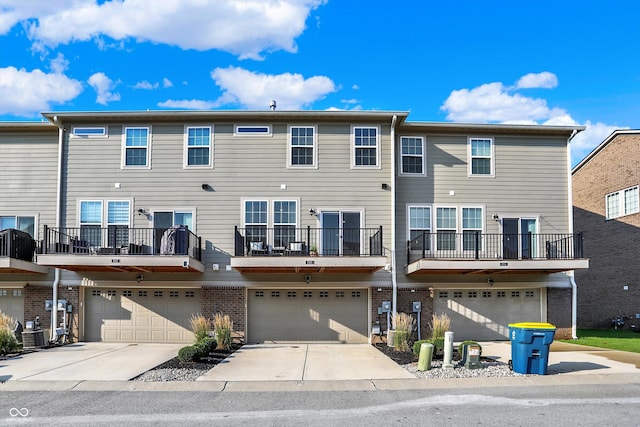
[{"x": 608, "y": 338}]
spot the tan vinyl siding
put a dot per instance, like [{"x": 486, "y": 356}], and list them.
[
  {"x": 243, "y": 167},
  {"x": 530, "y": 179}
]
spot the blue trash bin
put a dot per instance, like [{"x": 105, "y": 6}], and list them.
[{"x": 530, "y": 343}]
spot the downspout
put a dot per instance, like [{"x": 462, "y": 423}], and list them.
[
  {"x": 394, "y": 282},
  {"x": 56, "y": 279},
  {"x": 572, "y": 280}
]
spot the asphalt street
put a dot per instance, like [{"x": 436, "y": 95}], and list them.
[{"x": 559, "y": 405}]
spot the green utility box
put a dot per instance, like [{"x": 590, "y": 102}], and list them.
[
  {"x": 471, "y": 356},
  {"x": 426, "y": 354}
]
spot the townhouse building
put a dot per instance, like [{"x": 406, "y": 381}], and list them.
[
  {"x": 301, "y": 225},
  {"x": 605, "y": 186}
]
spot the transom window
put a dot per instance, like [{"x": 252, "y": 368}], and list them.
[
  {"x": 136, "y": 147},
  {"x": 302, "y": 146},
  {"x": 365, "y": 146},
  {"x": 480, "y": 157},
  {"x": 623, "y": 202},
  {"x": 22, "y": 223},
  {"x": 89, "y": 132},
  {"x": 198, "y": 147},
  {"x": 253, "y": 130},
  {"x": 412, "y": 155}
]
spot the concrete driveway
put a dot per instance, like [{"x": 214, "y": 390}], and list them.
[
  {"x": 306, "y": 362},
  {"x": 87, "y": 362}
]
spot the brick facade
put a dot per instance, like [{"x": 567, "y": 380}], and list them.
[
  {"x": 559, "y": 311},
  {"x": 34, "y": 305},
  {"x": 406, "y": 297},
  {"x": 231, "y": 301},
  {"x": 611, "y": 245}
]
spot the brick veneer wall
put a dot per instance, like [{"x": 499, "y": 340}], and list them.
[
  {"x": 229, "y": 301},
  {"x": 34, "y": 305},
  {"x": 611, "y": 245},
  {"x": 559, "y": 311},
  {"x": 405, "y": 305}
]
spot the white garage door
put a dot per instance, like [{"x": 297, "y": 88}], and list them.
[
  {"x": 307, "y": 315},
  {"x": 12, "y": 304},
  {"x": 484, "y": 314},
  {"x": 140, "y": 315}
]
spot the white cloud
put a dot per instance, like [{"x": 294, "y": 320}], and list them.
[
  {"x": 245, "y": 28},
  {"x": 190, "y": 104},
  {"x": 255, "y": 90},
  {"x": 497, "y": 103},
  {"x": 145, "y": 85},
  {"x": 26, "y": 93},
  {"x": 544, "y": 80},
  {"x": 104, "y": 86},
  {"x": 166, "y": 83}
]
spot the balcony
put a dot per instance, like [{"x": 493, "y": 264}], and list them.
[
  {"x": 479, "y": 253},
  {"x": 17, "y": 250},
  {"x": 288, "y": 249},
  {"x": 122, "y": 249}
]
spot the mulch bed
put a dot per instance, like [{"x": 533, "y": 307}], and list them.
[
  {"x": 400, "y": 357},
  {"x": 205, "y": 363}
]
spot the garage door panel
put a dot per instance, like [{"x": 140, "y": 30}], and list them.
[
  {"x": 12, "y": 304},
  {"x": 307, "y": 315},
  {"x": 127, "y": 315},
  {"x": 485, "y": 314}
]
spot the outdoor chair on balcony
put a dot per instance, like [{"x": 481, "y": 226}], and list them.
[
  {"x": 295, "y": 249},
  {"x": 258, "y": 248}
]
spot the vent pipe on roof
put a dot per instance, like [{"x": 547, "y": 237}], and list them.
[{"x": 272, "y": 105}]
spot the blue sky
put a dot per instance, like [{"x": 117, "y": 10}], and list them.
[{"x": 547, "y": 62}]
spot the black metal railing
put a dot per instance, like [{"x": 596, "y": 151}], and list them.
[
  {"x": 122, "y": 240},
  {"x": 17, "y": 244},
  {"x": 475, "y": 245},
  {"x": 292, "y": 241}
]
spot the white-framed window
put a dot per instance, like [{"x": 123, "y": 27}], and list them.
[
  {"x": 252, "y": 130},
  {"x": 136, "y": 151},
  {"x": 419, "y": 222},
  {"x": 446, "y": 228},
  {"x": 472, "y": 220},
  {"x": 365, "y": 146},
  {"x": 302, "y": 146},
  {"x": 96, "y": 215},
  {"x": 412, "y": 155},
  {"x": 278, "y": 215},
  {"x": 481, "y": 157},
  {"x": 25, "y": 223},
  {"x": 623, "y": 202},
  {"x": 89, "y": 131},
  {"x": 198, "y": 146}
]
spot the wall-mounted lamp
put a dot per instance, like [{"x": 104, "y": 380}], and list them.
[
  {"x": 386, "y": 186},
  {"x": 207, "y": 187},
  {"x": 139, "y": 278},
  {"x": 307, "y": 279},
  {"x": 141, "y": 211},
  {"x": 312, "y": 212},
  {"x": 496, "y": 217},
  {"x": 490, "y": 281}
]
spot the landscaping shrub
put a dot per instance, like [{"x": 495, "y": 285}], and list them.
[
  {"x": 200, "y": 326},
  {"x": 8, "y": 342},
  {"x": 440, "y": 323},
  {"x": 404, "y": 326},
  {"x": 188, "y": 354},
  {"x": 223, "y": 327},
  {"x": 438, "y": 345}
]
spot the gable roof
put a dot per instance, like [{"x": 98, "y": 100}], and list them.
[{"x": 602, "y": 145}]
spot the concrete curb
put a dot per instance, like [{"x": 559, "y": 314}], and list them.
[{"x": 295, "y": 386}]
